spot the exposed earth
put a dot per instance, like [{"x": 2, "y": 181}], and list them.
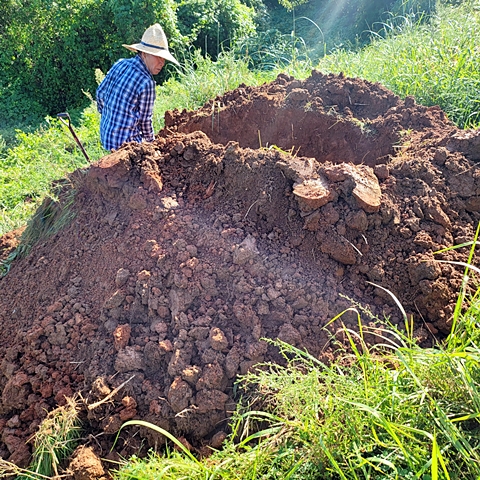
[{"x": 265, "y": 213}]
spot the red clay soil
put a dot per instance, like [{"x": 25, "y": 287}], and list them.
[{"x": 263, "y": 214}]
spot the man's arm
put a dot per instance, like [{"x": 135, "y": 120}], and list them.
[
  {"x": 145, "y": 113},
  {"x": 99, "y": 96}
]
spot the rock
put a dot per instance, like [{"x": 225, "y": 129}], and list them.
[
  {"x": 191, "y": 374},
  {"x": 128, "y": 360},
  {"x": 208, "y": 400},
  {"x": 115, "y": 300},
  {"x": 121, "y": 277},
  {"x": 367, "y": 191},
  {"x": 218, "y": 439},
  {"x": 15, "y": 392},
  {"x": 218, "y": 340},
  {"x": 213, "y": 378},
  {"x": 289, "y": 334},
  {"x": 337, "y": 247},
  {"x": 312, "y": 193},
  {"x": 121, "y": 336},
  {"x": 179, "y": 395},
  {"x": 245, "y": 251},
  {"x": 427, "y": 270}
]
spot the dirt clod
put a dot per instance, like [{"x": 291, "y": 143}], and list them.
[{"x": 86, "y": 465}]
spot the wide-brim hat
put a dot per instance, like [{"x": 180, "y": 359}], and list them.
[{"x": 154, "y": 41}]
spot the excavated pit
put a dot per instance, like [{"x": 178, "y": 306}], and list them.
[{"x": 262, "y": 214}]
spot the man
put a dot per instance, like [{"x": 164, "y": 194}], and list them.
[{"x": 126, "y": 96}]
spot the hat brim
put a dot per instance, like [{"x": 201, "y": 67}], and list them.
[{"x": 138, "y": 47}]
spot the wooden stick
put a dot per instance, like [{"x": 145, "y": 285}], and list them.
[{"x": 110, "y": 395}]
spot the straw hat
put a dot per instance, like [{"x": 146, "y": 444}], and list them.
[{"x": 154, "y": 42}]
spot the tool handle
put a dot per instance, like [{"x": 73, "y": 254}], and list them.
[{"x": 64, "y": 115}]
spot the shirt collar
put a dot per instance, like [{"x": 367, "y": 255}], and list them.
[{"x": 141, "y": 64}]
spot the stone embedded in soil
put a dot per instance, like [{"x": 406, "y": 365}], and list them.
[
  {"x": 312, "y": 194},
  {"x": 185, "y": 253},
  {"x": 121, "y": 336}
]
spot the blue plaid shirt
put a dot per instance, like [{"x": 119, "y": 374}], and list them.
[{"x": 125, "y": 101}]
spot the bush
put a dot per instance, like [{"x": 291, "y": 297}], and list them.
[{"x": 215, "y": 25}]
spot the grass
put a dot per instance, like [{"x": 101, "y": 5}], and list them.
[{"x": 51, "y": 216}]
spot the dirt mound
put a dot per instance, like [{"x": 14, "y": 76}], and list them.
[{"x": 259, "y": 215}]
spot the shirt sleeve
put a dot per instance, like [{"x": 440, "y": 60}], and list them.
[
  {"x": 145, "y": 112},
  {"x": 99, "y": 95}
]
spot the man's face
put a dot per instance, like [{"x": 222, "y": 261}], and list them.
[{"x": 153, "y": 63}]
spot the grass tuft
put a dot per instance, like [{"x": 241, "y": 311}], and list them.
[
  {"x": 55, "y": 440},
  {"x": 55, "y": 212}
]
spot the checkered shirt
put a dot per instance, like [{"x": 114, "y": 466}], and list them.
[{"x": 125, "y": 101}]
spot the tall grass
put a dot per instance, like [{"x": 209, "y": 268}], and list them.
[
  {"x": 437, "y": 62},
  {"x": 54, "y": 441},
  {"x": 200, "y": 79}
]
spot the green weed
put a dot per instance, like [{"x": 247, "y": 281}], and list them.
[{"x": 55, "y": 440}]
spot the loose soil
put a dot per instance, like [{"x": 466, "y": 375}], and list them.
[{"x": 263, "y": 214}]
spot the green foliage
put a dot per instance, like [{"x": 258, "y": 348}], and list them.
[
  {"x": 272, "y": 50},
  {"x": 49, "y": 50},
  {"x": 215, "y": 25},
  {"x": 18, "y": 109},
  {"x": 47, "y": 54},
  {"x": 341, "y": 23},
  {"x": 291, "y": 4}
]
